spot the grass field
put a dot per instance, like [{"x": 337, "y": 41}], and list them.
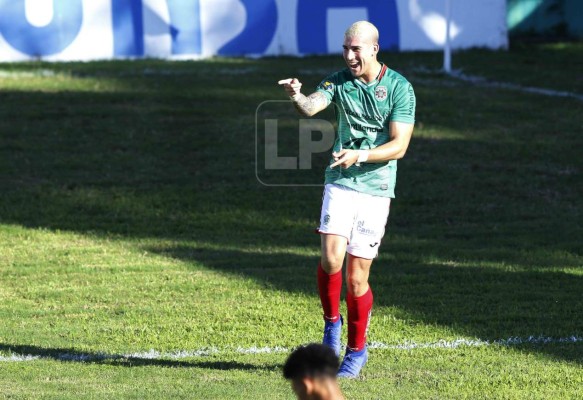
[{"x": 131, "y": 220}]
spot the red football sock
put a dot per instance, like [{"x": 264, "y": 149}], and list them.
[
  {"x": 330, "y": 287},
  {"x": 359, "y": 309}
]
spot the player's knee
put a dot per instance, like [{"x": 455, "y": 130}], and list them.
[
  {"x": 331, "y": 263},
  {"x": 356, "y": 284}
]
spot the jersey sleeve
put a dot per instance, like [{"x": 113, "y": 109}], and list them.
[
  {"x": 328, "y": 87},
  {"x": 404, "y": 104}
]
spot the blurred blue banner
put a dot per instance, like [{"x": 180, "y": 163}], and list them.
[{"x": 101, "y": 29}]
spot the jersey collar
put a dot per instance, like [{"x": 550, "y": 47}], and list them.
[{"x": 375, "y": 81}]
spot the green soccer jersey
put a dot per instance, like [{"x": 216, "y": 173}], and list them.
[{"x": 363, "y": 112}]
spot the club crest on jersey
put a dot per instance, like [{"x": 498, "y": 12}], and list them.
[
  {"x": 327, "y": 85},
  {"x": 380, "y": 93}
]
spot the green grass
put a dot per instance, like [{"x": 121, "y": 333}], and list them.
[{"x": 131, "y": 219}]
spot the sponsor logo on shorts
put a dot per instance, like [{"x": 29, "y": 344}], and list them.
[
  {"x": 360, "y": 228},
  {"x": 326, "y": 219},
  {"x": 384, "y": 186},
  {"x": 374, "y": 244}
]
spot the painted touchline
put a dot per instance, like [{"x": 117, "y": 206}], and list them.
[
  {"x": 481, "y": 81},
  {"x": 183, "y": 354}
]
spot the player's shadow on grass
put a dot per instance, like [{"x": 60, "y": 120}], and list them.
[
  {"x": 76, "y": 356},
  {"x": 484, "y": 302}
]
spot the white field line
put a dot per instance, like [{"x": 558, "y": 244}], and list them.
[
  {"x": 26, "y": 74},
  {"x": 444, "y": 344},
  {"x": 184, "y": 354},
  {"x": 474, "y": 79},
  {"x": 481, "y": 81}
]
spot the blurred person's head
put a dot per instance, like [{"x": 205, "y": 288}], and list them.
[{"x": 312, "y": 371}]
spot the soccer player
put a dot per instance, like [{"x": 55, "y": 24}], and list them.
[
  {"x": 312, "y": 371},
  {"x": 375, "y": 111}
]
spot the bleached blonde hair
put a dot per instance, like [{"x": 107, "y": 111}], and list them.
[{"x": 363, "y": 29}]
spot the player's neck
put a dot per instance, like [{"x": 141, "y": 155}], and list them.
[
  {"x": 330, "y": 391},
  {"x": 373, "y": 73}
]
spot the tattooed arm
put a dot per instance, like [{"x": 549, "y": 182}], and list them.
[
  {"x": 310, "y": 105},
  {"x": 306, "y": 105}
]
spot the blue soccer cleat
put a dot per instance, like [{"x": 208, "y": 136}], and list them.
[
  {"x": 332, "y": 333},
  {"x": 352, "y": 363}
]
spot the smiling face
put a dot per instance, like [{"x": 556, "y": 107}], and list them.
[{"x": 360, "y": 54}]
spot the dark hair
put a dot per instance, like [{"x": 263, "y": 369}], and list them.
[{"x": 313, "y": 360}]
